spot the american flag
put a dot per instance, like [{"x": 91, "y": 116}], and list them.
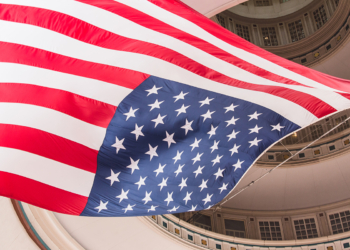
[{"x": 197, "y": 105}]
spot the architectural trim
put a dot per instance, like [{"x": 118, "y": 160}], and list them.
[
  {"x": 27, "y": 225},
  {"x": 308, "y": 46},
  {"x": 43, "y": 228},
  {"x": 226, "y": 242}
]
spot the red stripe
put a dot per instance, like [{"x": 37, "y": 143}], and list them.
[
  {"x": 86, "y": 33},
  {"x": 41, "y": 195},
  {"x": 159, "y": 26},
  {"x": 182, "y": 10},
  {"x": 346, "y": 95},
  {"x": 16, "y": 53},
  {"x": 72, "y": 27},
  {"x": 85, "y": 109},
  {"x": 48, "y": 145}
]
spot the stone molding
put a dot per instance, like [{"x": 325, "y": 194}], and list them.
[{"x": 311, "y": 42}]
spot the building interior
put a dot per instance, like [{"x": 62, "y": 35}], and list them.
[{"x": 302, "y": 205}]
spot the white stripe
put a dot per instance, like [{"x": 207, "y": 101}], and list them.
[
  {"x": 191, "y": 28},
  {"x": 53, "y": 122},
  {"x": 57, "y": 43},
  {"x": 46, "y": 171},
  {"x": 33, "y": 36},
  {"x": 106, "y": 20},
  {"x": 91, "y": 88}
]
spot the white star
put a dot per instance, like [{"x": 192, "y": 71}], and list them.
[
  {"x": 137, "y": 132},
  {"x": 255, "y": 129},
  {"x": 128, "y": 208},
  {"x": 254, "y": 142},
  {"x": 224, "y": 187},
  {"x": 203, "y": 185},
  {"x": 207, "y": 115},
  {"x": 188, "y": 197},
  {"x": 232, "y": 135},
  {"x": 118, "y": 144},
  {"x": 178, "y": 156},
  {"x": 113, "y": 177},
  {"x": 123, "y": 195},
  {"x": 219, "y": 173},
  {"x": 169, "y": 138},
  {"x": 155, "y": 105},
  {"x": 212, "y": 131},
  {"x": 217, "y": 159},
  {"x": 197, "y": 158},
  {"x": 173, "y": 209},
  {"x": 133, "y": 165},
  {"x": 207, "y": 199},
  {"x": 234, "y": 149},
  {"x": 169, "y": 198},
  {"x": 153, "y": 208},
  {"x": 195, "y": 144},
  {"x": 215, "y": 146},
  {"x": 193, "y": 208},
  {"x": 102, "y": 206},
  {"x": 131, "y": 113},
  {"x": 209, "y": 207},
  {"x": 232, "y": 121},
  {"x": 147, "y": 197},
  {"x": 163, "y": 183},
  {"x": 238, "y": 164},
  {"x": 230, "y": 108},
  {"x": 141, "y": 182},
  {"x": 159, "y": 169},
  {"x": 187, "y": 126},
  {"x": 158, "y": 120},
  {"x": 179, "y": 170},
  {"x": 182, "y": 110},
  {"x": 183, "y": 183},
  {"x": 254, "y": 116},
  {"x": 153, "y": 90},
  {"x": 206, "y": 101},
  {"x": 180, "y": 96},
  {"x": 152, "y": 151},
  {"x": 277, "y": 127},
  {"x": 198, "y": 171}
]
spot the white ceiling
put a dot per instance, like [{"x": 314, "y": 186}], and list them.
[{"x": 338, "y": 63}]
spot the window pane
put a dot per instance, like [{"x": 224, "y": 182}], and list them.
[
  {"x": 243, "y": 31},
  {"x": 320, "y": 17},
  {"x": 263, "y": 2},
  {"x": 235, "y": 228},
  {"x": 269, "y": 36},
  {"x": 339, "y": 221},
  {"x": 270, "y": 231}
]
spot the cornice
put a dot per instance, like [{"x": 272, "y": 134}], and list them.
[
  {"x": 43, "y": 228},
  {"x": 276, "y": 20},
  {"x": 311, "y": 42},
  {"x": 317, "y": 39}
]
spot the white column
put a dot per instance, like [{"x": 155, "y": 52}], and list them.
[
  {"x": 284, "y": 36},
  {"x": 305, "y": 26},
  {"x": 327, "y": 9},
  {"x": 256, "y": 35}
]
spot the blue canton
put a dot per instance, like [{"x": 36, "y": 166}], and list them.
[{"x": 174, "y": 148}]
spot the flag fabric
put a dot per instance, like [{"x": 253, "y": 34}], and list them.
[{"x": 128, "y": 108}]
